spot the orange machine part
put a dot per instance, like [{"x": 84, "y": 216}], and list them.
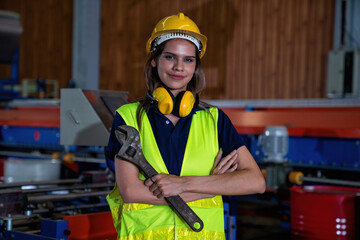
[
  {"x": 300, "y": 121},
  {"x": 31, "y": 117},
  {"x": 94, "y": 226},
  {"x": 314, "y": 122}
]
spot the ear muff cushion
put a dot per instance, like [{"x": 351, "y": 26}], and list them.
[
  {"x": 164, "y": 99},
  {"x": 184, "y": 103}
]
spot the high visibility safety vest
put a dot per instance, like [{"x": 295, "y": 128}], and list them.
[{"x": 145, "y": 221}]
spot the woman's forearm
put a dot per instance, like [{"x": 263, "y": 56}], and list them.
[
  {"x": 131, "y": 188},
  {"x": 192, "y": 196},
  {"x": 241, "y": 182},
  {"x": 246, "y": 179}
]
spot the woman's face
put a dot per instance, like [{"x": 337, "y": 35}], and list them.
[{"x": 176, "y": 64}]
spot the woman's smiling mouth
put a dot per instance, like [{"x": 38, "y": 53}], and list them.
[{"x": 176, "y": 77}]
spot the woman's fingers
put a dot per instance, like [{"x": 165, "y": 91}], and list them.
[
  {"x": 157, "y": 193},
  {"x": 148, "y": 182},
  {"x": 228, "y": 158},
  {"x": 233, "y": 168},
  {"x": 217, "y": 160},
  {"x": 153, "y": 188},
  {"x": 227, "y": 164}
]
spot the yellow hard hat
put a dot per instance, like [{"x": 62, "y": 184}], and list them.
[{"x": 177, "y": 26}]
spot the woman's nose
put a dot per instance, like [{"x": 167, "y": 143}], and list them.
[{"x": 178, "y": 65}]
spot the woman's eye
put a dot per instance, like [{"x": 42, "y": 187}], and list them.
[
  {"x": 169, "y": 57},
  {"x": 189, "y": 60}
]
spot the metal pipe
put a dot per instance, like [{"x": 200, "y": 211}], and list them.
[
  {"x": 83, "y": 186},
  {"x": 8, "y": 222},
  {"x": 299, "y": 178},
  {"x": 71, "y": 207},
  {"x": 25, "y": 154},
  {"x": 331, "y": 181},
  {"x": 88, "y": 159},
  {"x": 46, "y": 182},
  {"x": 44, "y": 198},
  {"x": 50, "y": 156}
]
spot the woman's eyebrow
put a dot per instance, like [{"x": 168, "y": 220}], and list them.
[{"x": 173, "y": 54}]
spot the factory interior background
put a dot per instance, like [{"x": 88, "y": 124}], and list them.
[{"x": 286, "y": 72}]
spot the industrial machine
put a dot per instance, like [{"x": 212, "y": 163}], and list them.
[
  {"x": 54, "y": 174},
  {"x": 319, "y": 137},
  {"x": 274, "y": 144},
  {"x": 307, "y": 149},
  {"x": 41, "y": 209}
]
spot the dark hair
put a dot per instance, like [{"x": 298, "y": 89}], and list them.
[{"x": 152, "y": 80}]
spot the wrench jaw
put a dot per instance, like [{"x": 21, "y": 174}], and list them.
[
  {"x": 128, "y": 131},
  {"x": 120, "y": 136},
  {"x": 129, "y": 140}
]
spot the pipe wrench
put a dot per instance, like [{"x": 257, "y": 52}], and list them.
[{"x": 131, "y": 151}]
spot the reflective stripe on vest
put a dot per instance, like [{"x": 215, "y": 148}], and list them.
[{"x": 146, "y": 221}]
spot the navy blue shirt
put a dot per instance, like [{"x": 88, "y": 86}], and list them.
[{"x": 171, "y": 139}]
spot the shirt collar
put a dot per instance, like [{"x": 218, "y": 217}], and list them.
[{"x": 154, "y": 109}]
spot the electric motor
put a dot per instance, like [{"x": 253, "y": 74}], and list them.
[{"x": 274, "y": 143}]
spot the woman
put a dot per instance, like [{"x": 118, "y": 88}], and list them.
[{"x": 193, "y": 146}]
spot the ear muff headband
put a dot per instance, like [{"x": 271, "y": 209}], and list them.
[{"x": 180, "y": 106}]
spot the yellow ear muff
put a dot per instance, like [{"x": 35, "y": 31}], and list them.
[
  {"x": 164, "y": 99},
  {"x": 186, "y": 104}
]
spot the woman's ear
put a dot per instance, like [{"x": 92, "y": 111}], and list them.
[{"x": 153, "y": 63}]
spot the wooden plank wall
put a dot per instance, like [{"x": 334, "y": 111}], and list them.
[
  {"x": 273, "y": 49},
  {"x": 257, "y": 49},
  {"x": 46, "y": 41}
]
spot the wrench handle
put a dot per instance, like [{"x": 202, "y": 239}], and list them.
[
  {"x": 177, "y": 203},
  {"x": 190, "y": 217},
  {"x": 146, "y": 167}
]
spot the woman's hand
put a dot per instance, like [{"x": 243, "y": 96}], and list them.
[
  {"x": 227, "y": 164},
  {"x": 165, "y": 185}
]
